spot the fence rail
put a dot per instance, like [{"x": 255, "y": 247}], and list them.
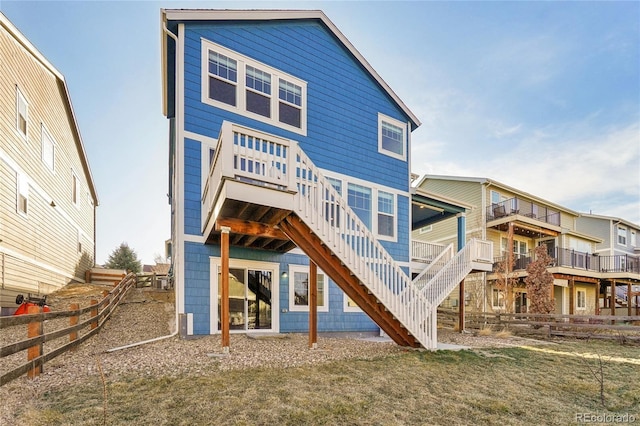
[
  {"x": 612, "y": 327},
  {"x": 99, "y": 311}
]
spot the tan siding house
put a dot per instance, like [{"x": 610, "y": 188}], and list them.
[
  {"x": 517, "y": 222},
  {"x": 47, "y": 194}
]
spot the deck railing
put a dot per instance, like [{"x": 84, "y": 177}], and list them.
[
  {"x": 569, "y": 258},
  {"x": 265, "y": 160},
  {"x": 519, "y": 206}
]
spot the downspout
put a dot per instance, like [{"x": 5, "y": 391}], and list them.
[{"x": 156, "y": 339}]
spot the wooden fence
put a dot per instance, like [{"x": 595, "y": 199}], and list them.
[
  {"x": 99, "y": 312},
  {"x": 611, "y": 327}
]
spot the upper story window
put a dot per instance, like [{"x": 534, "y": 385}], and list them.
[
  {"x": 359, "y": 199},
  {"x": 245, "y": 86},
  {"x": 22, "y": 113},
  {"x": 392, "y": 139},
  {"x": 622, "y": 235},
  {"x": 48, "y": 149},
  {"x": 634, "y": 241}
]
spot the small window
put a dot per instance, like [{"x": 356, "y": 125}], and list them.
[
  {"x": 634, "y": 241},
  {"x": 426, "y": 229},
  {"x": 386, "y": 214},
  {"x": 349, "y": 305},
  {"x": 223, "y": 77},
  {"x": 22, "y": 113},
  {"x": 299, "y": 289},
  {"x": 22, "y": 195},
  {"x": 622, "y": 235},
  {"x": 48, "y": 149},
  {"x": 391, "y": 137},
  {"x": 581, "y": 299},
  {"x": 497, "y": 300},
  {"x": 290, "y": 105},
  {"x": 495, "y": 197},
  {"x": 75, "y": 183}
]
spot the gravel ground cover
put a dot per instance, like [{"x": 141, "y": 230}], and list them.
[{"x": 141, "y": 317}]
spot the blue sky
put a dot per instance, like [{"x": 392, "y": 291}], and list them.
[{"x": 541, "y": 96}]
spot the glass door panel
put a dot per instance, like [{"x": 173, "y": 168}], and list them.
[{"x": 249, "y": 299}]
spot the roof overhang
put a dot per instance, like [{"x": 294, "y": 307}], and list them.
[{"x": 428, "y": 208}]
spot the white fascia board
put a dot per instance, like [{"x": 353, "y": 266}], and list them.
[{"x": 264, "y": 15}]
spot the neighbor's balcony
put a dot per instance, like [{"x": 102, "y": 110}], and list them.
[
  {"x": 527, "y": 218},
  {"x": 568, "y": 258}
]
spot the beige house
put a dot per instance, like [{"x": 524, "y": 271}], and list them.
[
  {"x": 47, "y": 194},
  {"x": 517, "y": 222}
]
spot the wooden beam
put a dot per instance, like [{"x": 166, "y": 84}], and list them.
[
  {"x": 629, "y": 299},
  {"x": 572, "y": 296},
  {"x": 246, "y": 227},
  {"x": 224, "y": 296},
  {"x": 341, "y": 275},
  {"x": 613, "y": 299},
  {"x": 313, "y": 305}
]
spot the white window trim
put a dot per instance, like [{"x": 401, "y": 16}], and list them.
[
  {"x": 22, "y": 189},
  {"x": 634, "y": 239},
  {"x": 346, "y": 307},
  {"x": 240, "y": 107},
  {"x": 44, "y": 132},
  {"x": 618, "y": 235},
  {"x": 20, "y": 97},
  {"x": 325, "y": 294},
  {"x": 584, "y": 298},
  {"x": 394, "y": 216},
  {"x": 346, "y": 180},
  {"x": 498, "y": 306},
  {"x": 398, "y": 123}
]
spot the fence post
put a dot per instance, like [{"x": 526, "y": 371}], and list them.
[
  {"x": 73, "y": 320},
  {"x": 34, "y": 330},
  {"x": 94, "y": 314}
]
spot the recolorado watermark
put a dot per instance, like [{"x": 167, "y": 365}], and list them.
[{"x": 605, "y": 418}]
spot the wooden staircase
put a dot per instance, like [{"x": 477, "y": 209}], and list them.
[{"x": 268, "y": 184}]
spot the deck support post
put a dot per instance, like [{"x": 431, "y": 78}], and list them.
[
  {"x": 572, "y": 297},
  {"x": 313, "y": 305},
  {"x": 461, "y": 308},
  {"x": 613, "y": 300},
  {"x": 224, "y": 293},
  {"x": 629, "y": 299}
]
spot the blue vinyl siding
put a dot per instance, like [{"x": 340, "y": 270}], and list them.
[
  {"x": 342, "y": 106},
  {"x": 343, "y": 101},
  {"x": 198, "y": 302},
  {"x": 192, "y": 187}
]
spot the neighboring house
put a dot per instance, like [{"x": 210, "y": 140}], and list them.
[
  {"x": 517, "y": 222},
  {"x": 47, "y": 194},
  {"x": 288, "y": 150},
  {"x": 618, "y": 260}
]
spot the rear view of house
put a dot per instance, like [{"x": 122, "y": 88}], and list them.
[
  {"x": 47, "y": 194},
  {"x": 289, "y": 152}
]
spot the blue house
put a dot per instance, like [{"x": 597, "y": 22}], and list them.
[{"x": 289, "y": 160}]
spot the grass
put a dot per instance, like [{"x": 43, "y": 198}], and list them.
[{"x": 544, "y": 385}]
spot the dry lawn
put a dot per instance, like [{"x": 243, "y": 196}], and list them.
[{"x": 544, "y": 385}]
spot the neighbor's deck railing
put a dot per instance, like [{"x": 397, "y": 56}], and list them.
[{"x": 519, "y": 206}]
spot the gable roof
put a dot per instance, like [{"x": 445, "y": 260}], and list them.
[
  {"x": 26, "y": 44},
  {"x": 271, "y": 15},
  {"x": 491, "y": 182},
  {"x": 613, "y": 219}
]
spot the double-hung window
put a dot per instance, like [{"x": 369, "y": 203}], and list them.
[
  {"x": 581, "y": 299},
  {"x": 392, "y": 138},
  {"x": 386, "y": 213},
  {"x": 223, "y": 78},
  {"x": 22, "y": 113},
  {"x": 48, "y": 149},
  {"x": 75, "y": 188},
  {"x": 240, "y": 84},
  {"x": 622, "y": 235},
  {"x": 359, "y": 199},
  {"x": 258, "y": 91}
]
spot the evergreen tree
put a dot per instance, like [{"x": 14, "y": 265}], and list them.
[
  {"x": 540, "y": 282},
  {"x": 124, "y": 257}
]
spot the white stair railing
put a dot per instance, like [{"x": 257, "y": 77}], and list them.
[{"x": 253, "y": 156}]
